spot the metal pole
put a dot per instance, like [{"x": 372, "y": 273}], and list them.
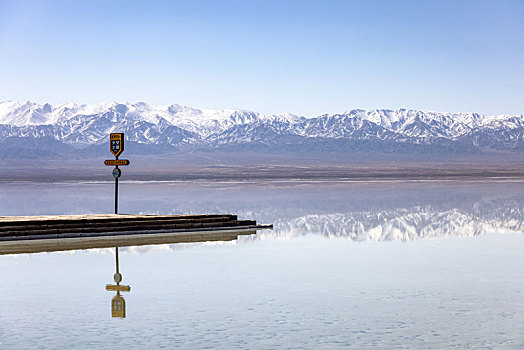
[
  {"x": 116, "y": 190},
  {"x": 116, "y": 194}
]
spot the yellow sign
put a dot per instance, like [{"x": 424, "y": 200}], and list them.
[
  {"x": 116, "y": 143},
  {"x": 116, "y": 162},
  {"x": 118, "y": 306}
]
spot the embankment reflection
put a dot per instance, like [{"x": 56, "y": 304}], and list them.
[{"x": 63, "y": 244}]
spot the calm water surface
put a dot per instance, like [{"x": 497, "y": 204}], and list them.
[{"x": 348, "y": 265}]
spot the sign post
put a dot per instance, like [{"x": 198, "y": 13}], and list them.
[{"x": 116, "y": 146}]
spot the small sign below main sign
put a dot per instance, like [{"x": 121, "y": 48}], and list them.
[
  {"x": 116, "y": 143},
  {"x": 116, "y": 172},
  {"x": 116, "y": 162}
]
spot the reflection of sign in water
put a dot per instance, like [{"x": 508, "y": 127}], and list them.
[
  {"x": 118, "y": 304},
  {"x": 117, "y": 288},
  {"x": 116, "y": 143}
]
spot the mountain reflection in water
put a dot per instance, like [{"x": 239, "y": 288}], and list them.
[
  {"x": 366, "y": 211},
  {"x": 408, "y": 223},
  {"x": 372, "y": 211}
]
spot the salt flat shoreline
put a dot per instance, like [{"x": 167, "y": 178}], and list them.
[{"x": 269, "y": 173}]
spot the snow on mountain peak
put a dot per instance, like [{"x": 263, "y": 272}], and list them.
[
  {"x": 146, "y": 123},
  {"x": 284, "y": 117}
]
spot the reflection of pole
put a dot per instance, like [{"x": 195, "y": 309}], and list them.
[{"x": 116, "y": 255}]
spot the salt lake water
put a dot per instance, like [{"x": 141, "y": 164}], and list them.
[{"x": 384, "y": 264}]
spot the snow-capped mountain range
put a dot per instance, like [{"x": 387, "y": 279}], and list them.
[{"x": 177, "y": 126}]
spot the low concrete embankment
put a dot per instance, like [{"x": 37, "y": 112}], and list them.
[{"x": 63, "y": 232}]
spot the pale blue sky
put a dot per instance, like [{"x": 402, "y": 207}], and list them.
[{"x": 303, "y": 57}]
